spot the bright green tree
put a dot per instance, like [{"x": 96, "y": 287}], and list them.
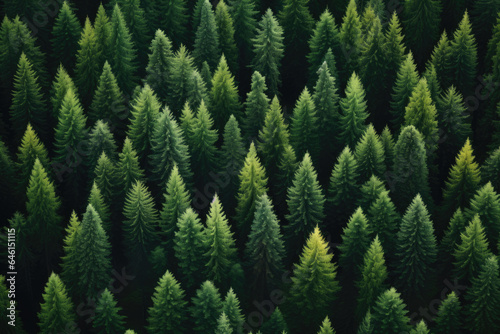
[
  {"x": 486, "y": 204},
  {"x": 231, "y": 307},
  {"x": 388, "y": 315},
  {"x": 449, "y": 318},
  {"x": 225, "y": 29},
  {"x": 206, "y": 308},
  {"x": 394, "y": 49},
  {"x": 128, "y": 170},
  {"x": 206, "y": 45},
  {"x": 105, "y": 177},
  {"x": 326, "y": 327},
  {"x": 158, "y": 68},
  {"x": 256, "y": 106},
  {"x": 65, "y": 34},
  {"x": 223, "y": 325},
  {"x": 304, "y": 126},
  {"x": 61, "y": 84},
  {"x": 101, "y": 207},
  {"x": 137, "y": 25},
  {"x": 181, "y": 68},
  {"x": 350, "y": 41},
  {"x": 102, "y": 30},
  {"x": 406, "y": 81},
  {"x": 197, "y": 90},
  {"x": 370, "y": 154},
  {"x": 69, "y": 265},
  {"x": 107, "y": 315},
  {"x": 56, "y": 309},
  {"x": 370, "y": 191}
]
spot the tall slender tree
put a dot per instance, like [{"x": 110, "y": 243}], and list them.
[
  {"x": 107, "y": 315},
  {"x": 304, "y": 126},
  {"x": 56, "y": 309},
  {"x": 65, "y": 34},
  {"x": 207, "y": 43},
  {"x": 256, "y": 106}
]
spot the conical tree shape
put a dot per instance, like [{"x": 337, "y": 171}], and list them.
[
  {"x": 107, "y": 318},
  {"x": 56, "y": 309},
  {"x": 168, "y": 149},
  {"x": 168, "y": 298},
  {"x": 189, "y": 247},
  {"x": 102, "y": 30},
  {"x": 486, "y": 204},
  {"x": 223, "y": 325},
  {"x": 433, "y": 83},
  {"x": 231, "y": 307},
  {"x": 326, "y": 327},
  {"x": 105, "y": 178},
  {"x": 100, "y": 140},
  {"x": 158, "y": 68},
  {"x": 416, "y": 248},
  {"x": 256, "y": 106},
  {"x": 197, "y": 90},
  {"x": 275, "y": 324},
  {"x": 243, "y": 13},
  {"x": 368, "y": 18},
  {"x": 354, "y": 113},
  {"x": 370, "y": 154},
  {"x": 451, "y": 238},
  {"x": 449, "y": 317},
  {"x": 287, "y": 166},
  {"x": 181, "y": 68},
  {"x": 65, "y": 34},
  {"x": 69, "y": 265},
  {"x": 369, "y": 192},
  {"x": 350, "y": 40},
  {"x": 420, "y": 328},
  {"x": 384, "y": 220},
  {"x": 388, "y": 144},
  {"x": 101, "y": 207},
  {"x": 28, "y": 105},
  {"x": 206, "y": 308},
  {"x": 128, "y": 170},
  {"x": 314, "y": 284},
  {"x": 206, "y": 45},
  {"x": 265, "y": 250},
  {"x": 482, "y": 314},
  {"x": 268, "y": 50},
  {"x": 122, "y": 52},
  {"x": 441, "y": 58},
  {"x": 61, "y": 84},
  {"x": 472, "y": 250},
  {"x": 224, "y": 95},
  {"x": 394, "y": 49},
  {"x": 493, "y": 43},
  {"x": 389, "y": 314},
  {"x": 305, "y": 126},
  {"x": 491, "y": 169},
  {"x": 174, "y": 20},
  {"x": 373, "y": 276},
  {"x": 225, "y": 29},
  {"x": 406, "y": 81},
  {"x": 366, "y": 326}
]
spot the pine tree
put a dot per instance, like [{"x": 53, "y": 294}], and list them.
[
  {"x": 181, "y": 68},
  {"x": 463, "y": 63},
  {"x": 168, "y": 299},
  {"x": 61, "y": 84},
  {"x": 225, "y": 29},
  {"x": 206, "y": 45},
  {"x": 100, "y": 140},
  {"x": 168, "y": 149},
  {"x": 421, "y": 23},
  {"x": 69, "y": 265},
  {"x": 482, "y": 314},
  {"x": 416, "y": 248},
  {"x": 122, "y": 51},
  {"x": 420, "y": 328},
  {"x": 65, "y": 34},
  {"x": 173, "y": 20},
  {"x": 449, "y": 318},
  {"x": 141, "y": 222},
  {"x": 28, "y": 105},
  {"x": 206, "y": 308},
  {"x": 451, "y": 238},
  {"x": 223, "y": 325},
  {"x": 441, "y": 59},
  {"x": 366, "y": 326},
  {"x": 102, "y": 30},
  {"x": 491, "y": 169},
  {"x": 268, "y": 50},
  {"x": 368, "y": 18},
  {"x": 256, "y": 106},
  {"x": 354, "y": 112},
  {"x": 243, "y": 13},
  {"x": 369, "y": 192},
  {"x": 350, "y": 41},
  {"x": 231, "y": 307},
  {"x": 275, "y": 324},
  {"x": 105, "y": 177},
  {"x": 326, "y": 327},
  {"x": 394, "y": 49},
  {"x": 107, "y": 318},
  {"x": 486, "y": 204},
  {"x": 197, "y": 90},
  {"x": 433, "y": 83},
  {"x": 220, "y": 243},
  {"x": 158, "y": 68},
  {"x": 384, "y": 220},
  {"x": 101, "y": 207},
  {"x": 287, "y": 167},
  {"x": 493, "y": 43},
  {"x": 224, "y": 95},
  {"x": 304, "y": 126},
  {"x": 56, "y": 309},
  {"x": 128, "y": 170},
  {"x": 265, "y": 250},
  {"x": 314, "y": 284},
  {"x": 370, "y": 154},
  {"x": 406, "y": 81},
  {"x": 388, "y": 315},
  {"x": 388, "y": 144}
]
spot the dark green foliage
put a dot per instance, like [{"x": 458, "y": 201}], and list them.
[
  {"x": 181, "y": 68},
  {"x": 128, "y": 170},
  {"x": 197, "y": 90},
  {"x": 61, "y": 84},
  {"x": 173, "y": 20},
  {"x": 275, "y": 324},
  {"x": 243, "y": 14},
  {"x": 206, "y": 309},
  {"x": 491, "y": 169},
  {"x": 406, "y": 81},
  {"x": 486, "y": 204},
  {"x": 158, "y": 69},
  {"x": 370, "y": 154},
  {"x": 256, "y": 106},
  {"x": 370, "y": 191},
  {"x": 100, "y": 140},
  {"x": 388, "y": 144},
  {"x": 56, "y": 309},
  {"x": 432, "y": 82},
  {"x": 105, "y": 177},
  {"x": 350, "y": 41},
  {"x": 231, "y": 307},
  {"x": 69, "y": 265},
  {"x": 225, "y": 29},
  {"x": 206, "y": 45},
  {"x": 304, "y": 127},
  {"x": 441, "y": 59},
  {"x": 107, "y": 318},
  {"x": 384, "y": 221},
  {"x": 135, "y": 19},
  {"x": 65, "y": 34},
  {"x": 449, "y": 318},
  {"x": 451, "y": 237},
  {"x": 389, "y": 314},
  {"x": 101, "y": 207},
  {"x": 102, "y": 30},
  {"x": 394, "y": 49}
]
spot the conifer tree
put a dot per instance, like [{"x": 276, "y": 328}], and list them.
[
  {"x": 122, "y": 52},
  {"x": 326, "y": 327},
  {"x": 373, "y": 276},
  {"x": 384, "y": 220},
  {"x": 354, "y": 112},
  {"x": 366, "y": 326},
  {"x": 420, "y": 328},
  {"x": 56, "y": 309},
  {"x": 61, "y": 84},
  {"x": 493, "y": 43},
  {"x": 100, "y": 140},
  {"x": 207, "y": 43},
  {"x": 223, "y": 325},
  {"x": 268, "y": 50},
  {"x": 389, "y": 314},
  {"x": 225, "y": 29},
  {"x": 304, "y": 126},
  {"x": 433, "y": 84},
  {"x": 168, "y": 149},
  {"x": 388, "y": 144},
  {"x": 158, "y": 68},
  {"x": 394, "y": 49},
  {"x": 206, "y": 308},
  {"x": 224, "y": 95},
  {"x": 141, "y": 222},
  {"x": 406, "y": 81},
  {"x": 287, "y": 167},
  {"x": 231, "y": 307},
  {"x": 314, "y": 284},
  {"x": 189, "y": 247},
  {"x": 135, "y": 20},
  {"x": 416, "y": 247},
  {"x": 448, "y": 319},
  {"x": 181, "y": 68},
  {"x": 197, "y": 90},
  {"x": 369, "y": 192},
  {"x": 243, "y": 13},
  {"x": 350, "y": 41},
  {"x": 256, "y": 106},
  {"x": 107, "y": 318},
  {"x": 69, "y": 265},
  {"x": 219, "y": 241},
  {"x": 174, "y": 20},
  {"x": 441, "y": 59},
  {"x": 370, "y": 154},
  {"x": 105, "y": 178},
  {"x": 451, "y": 238},
  {"x": 482, "y": 313},
  {"x": 264, "y": 249},
  {"x": 168, "y": 299},
  {"x": 275, "y": 324},
  {"x": 486, "y": 204},
  {"x": 28, "y": 105},
  {"x": 491, "y": 169},
  {"x": 65, "y": 34},
  {"x": 102, "y": 30},
  {"x": 305, "y": 202},
  {"x": 101, "y": 207},
  {"x": 128, "y": 170}
]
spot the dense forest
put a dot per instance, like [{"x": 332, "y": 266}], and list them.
[{"x": 283, "y": 166}]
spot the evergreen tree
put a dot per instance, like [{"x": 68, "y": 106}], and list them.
[
  {"x": 366, "y": 326},
  {"x": 394, "y": 49},
  {"x": 224, "y": 95},
  {"x": 370, "y": 154},
  {"x": 388, "y": 144},
  {"x": 388, "y": 315},
  {"x": 275, "y": 324},
  {"x": 107, "y": 318},
  {"x": 486, "y": 204},
  {"x": 493, "y": 43},
  {"x": 416, "y": 247},
  {"x": 350, "y": 41},
  {"x": 65, "y": 34},
  {"x": 243, "y": 13},
  {"x": 105, "y": 177},
  {"x": 420, "y": 328},
  {"x": 158, "y": 68},
  {"x": 101, "y": 207},
  {"x": 354, "y": 113},
  {"x": 491, "y": 169},
  {"x": 100, "y": 140},
  {"x": 225, "y": 29},
  {"x": 449, "y": 318},
  {"x": 231, "y": 307},
  {"x": 433, "y": 84},
  {"x": 206, "y": 308},
  {"x": 189, "y": 247},
  {"x": 314, "y": 284},
  {"x": 287, "y": 167},
  {"x": 173, "y": 20},
  {"x": 482, "y": 313},
  {"x": 256, "y": 106},
  {"x": 168, "y": 299},
  {"x": 69, "y": 265},
  {"x": 180, "y": 70},
  {"x": 326, "y": 327},
  {"x": 56, "y": 309},
  {"x": 451, "y": 238},
  {"x": 122, "y": 56},
  {"x": 384, "y": 220},
  {"x": 28, "y": 105},
  {"x": 406, "y": 81},
  {"x": 61, "y": 84},
  {"x": 304, "y": 126},
  {"x": 268, "y": 50},
  {"x": 206, "y": 45},
  {"x": 128, "y": 170},
  {"x": 369, "y": 192},
  {"x": 102, "y": 30},
  {"x": 197, "y": 90},
  {"x": 223, "y": 325}
]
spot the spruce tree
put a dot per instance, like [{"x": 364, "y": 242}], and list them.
[
  {"x": 197, "y": 90},
  {"x": 206, "y": 308},
  {"x": 105, "y": 177},
  {"x": 243, "y": 13},
  {"x": 416, "y": 248},
  {"x": 354, "y": 112},
  {"x": 256, "y": 106},
  {"x": 304, "y": 126},
  {"x": 275, "y": 324},
  {"x": 388, "y": 144},
  {"x": 441, "y": 59},
  {"x": 158, "y": 68},
  {"x": 101, "y": 207},
  {"x": 314, "y": 284},
  {"x": 384, "y": 220},
  {"x": 491, "y": 169},
  {"x": 223, "y": 325},
  {"x": 181, "y": 68},
  {"x": 69, "y": 265},
  {"x": 224, "y": 95},
  {"x": 389, "y": 314},
  {"x": 61, "y": 84},
  {"x": 370, "y": 191},
  {"x": 350, "y": 41},
  {"x": 366, "y": 326},
  {"x": 206, "y": 44},
  {"x": 56, "y": 309},
  {"x": 486, "y": 204},
  {"x": 287, "y": 166},
  {"x": 482, "y": 314},
  {"x": 107, "y": 317},
  {"x": 174, "y": 20},
  {"x": 326, "y": 327},
  {"x": 225, "y": 29},
  {"x": 100, "y": 140},
  {"x": 451, "y": 238},
  {"x": 168, "y": 299},
  {"x": 102, "y": 30},
  {"x": 449, "y": 319},
  {"x": 370, "y": 154},
  {"x": 65, "y": 34},
  {"x": 420, "y": 328},
  {"x": 268, "y": 50},
  {"x": 394, "y": 49},
  {"x": 231, "y": 307},
  {"x": 406, "y": 81},
  {"x": 128, "y": 170},
  {"x": 433, "y": 83}
]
